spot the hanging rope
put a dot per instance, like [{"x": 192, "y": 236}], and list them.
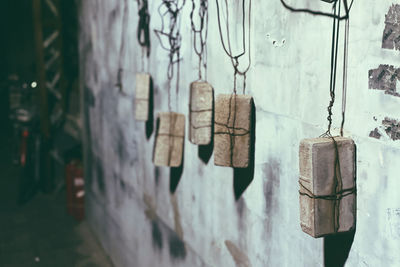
[
  {"x": 143, "y": 29},
  {"x": 345, "y": 62},
  {"x": 170, "y": 9},
  {"x": 228, "y": 48},
  {"x": 319, "y": 13},
  {"x": 200, "y": 33}
]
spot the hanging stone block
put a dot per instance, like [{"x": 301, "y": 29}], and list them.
[
  {"x": 200, "y": 113},
  {"x": 327, "y": 197},
  {"x": 232, "y": 126},
  {"x": 142, "y": 96},
  {"x": 168, "y": 147}
]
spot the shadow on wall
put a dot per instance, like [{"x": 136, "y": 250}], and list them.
[
  {"x": 175, "y": 174},
  {"x": 337, "y": 248},
  {"x": 242, "y": 177},
  {"x": 150, "y": 121}
]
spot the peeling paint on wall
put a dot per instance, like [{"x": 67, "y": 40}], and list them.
[
  {"x": 390, "y": 127},
  {"x": 391, "y": 34},
  {"x": 385, "y": 77}
]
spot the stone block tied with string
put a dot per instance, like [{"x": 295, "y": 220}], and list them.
[
  {"x": 327, "y": 185},
  {"x": 170, "y": 133},
  {"x": 142, "y": 99},
  {"x": 200, "y": 113},
  {"x": 232, "y": 126}
]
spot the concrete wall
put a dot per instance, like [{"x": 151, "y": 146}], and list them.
[{"x": 150, "y": 216}]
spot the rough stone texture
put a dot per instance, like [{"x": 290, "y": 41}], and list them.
[
  {"x": 232, "y": 128},
  {"x": 317, "y": 175},
  {"x": 391, "y": 34},
  {"x": 385, "y": 78},
  {"x": 289, "y": 84},
  {"x": 200, "y": 113},
  {"x": 142, "y": 96},
  {"x": 170, "y": 134}
]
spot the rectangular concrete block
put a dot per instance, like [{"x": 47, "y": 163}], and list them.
[
  {"x": 327, "y": 204},
  {"x": 170, "y": 133},
  {"x": 142, "y": 96},
  {"x": 232, "y": 126},
  {"x": 200, "y": 113}
]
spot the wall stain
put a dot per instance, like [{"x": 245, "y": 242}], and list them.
[
  {"x": 385, "y": 78},
  {"x": 150, "y": 211},
  {"x": 177, "y": 249},
  {"x": 392, "y": 128},
  {"x": 177, "y": 217},
  {"x": 391, "y": 34},
  {"x": 156, "y": 235},
  {"x": 271, "y": 171},
  {"x": 389, "y": 126},
  {"x": 375, "y": 134},
  {"x": 238, "y": 256}
]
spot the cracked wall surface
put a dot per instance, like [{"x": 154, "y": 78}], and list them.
[{"x": 204, "y": 215}]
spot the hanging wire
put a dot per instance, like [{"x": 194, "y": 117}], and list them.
[
  {"x": 170, "y": 10},
  {"x": 143, "y": 28},
  {"x": 200, "y": 34},
  {"x": 226, "y": 45},
  {"x": 334, "y": 54},
  {"x": 345, "y": 62},
  {"x": 319, "y": 13}
]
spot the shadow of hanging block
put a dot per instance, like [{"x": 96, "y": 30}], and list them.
[
  {"x": 337, "y": 249},
  {"x": 205, "y": 152},
  {"x": 200, "y": 113},
  {"x": 142, "y": 96},
  {"x": 232, "y": 127},
  {"x": 327, "y": 191},
  {"x": 242, "y": 177},
  {"x": 170, "y": 133},
  {"x": 175, "y": 175},
  {"x": 150, "y": 121}
]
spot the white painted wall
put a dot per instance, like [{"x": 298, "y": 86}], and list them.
[{"x": 129, "y": 204}]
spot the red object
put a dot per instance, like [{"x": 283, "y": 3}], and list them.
[
  {"x": 75, "y": 184},
  {"x": 24, "y": 143}
]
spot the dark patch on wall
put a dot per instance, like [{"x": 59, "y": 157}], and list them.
[
  {"x": 385, "y": 78},
  {"x": 242, "y": 177},
  {"x": 175, "y": 174},
  {"x": 240, "y": 206},
  {"x": 89, "y": 98},
  {"x": 337, "y": 248},
  {"x": 156, "y": 235},
  {"x": 391, "y": 34},
  {"x": 99, "y": 175},
  {"x": 271, "y": 171},
  {"x": 375, "y": 134},
  {"x": 150, "y": 122},
  {"x": 157, "y": 175},
  {"x": 241, "y": 259},
  {"x": 392, "y": 128},
  {"x": 177, "y": 249}
]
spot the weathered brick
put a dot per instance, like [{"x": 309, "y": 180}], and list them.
[
  {"x": 232, "y": 126},
  {"x": 168, "y": 146},
  {"x": 200, "y": 113},
  {"x": 142, "y": 96},
  {"x": 319, "y": 194}
]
